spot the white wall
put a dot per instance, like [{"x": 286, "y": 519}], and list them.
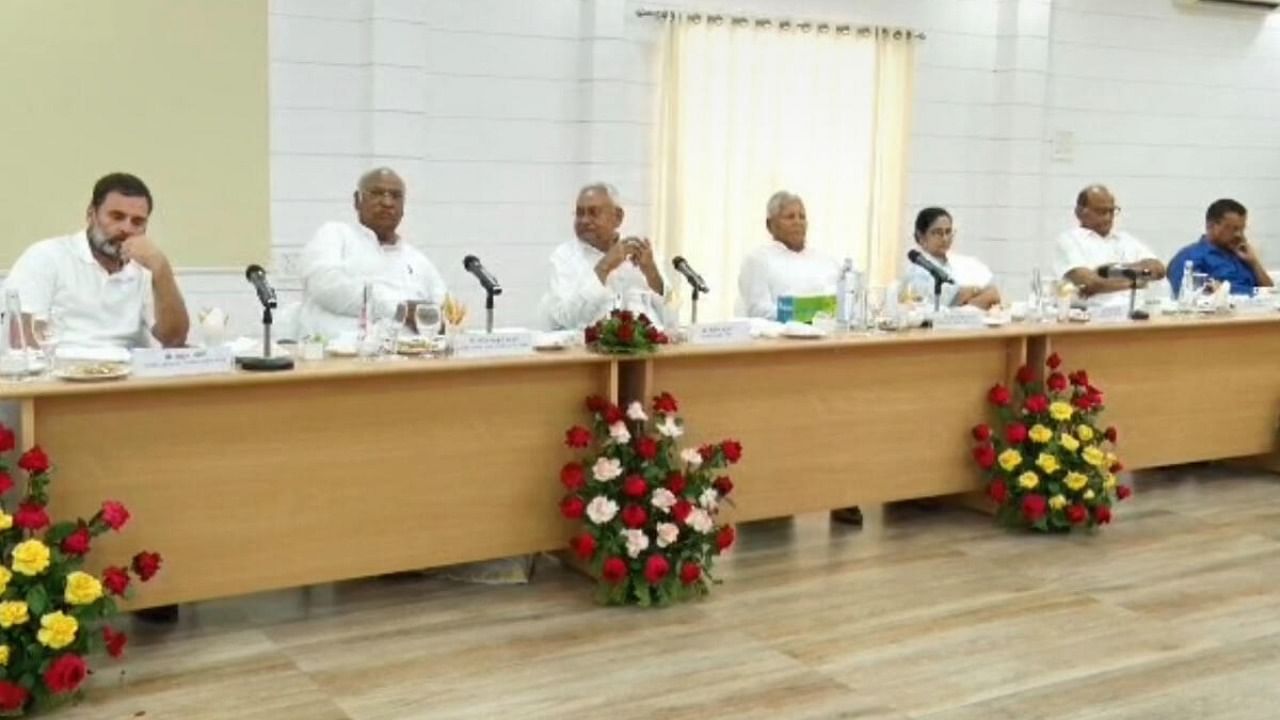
[{"x": 497, "y": 110}]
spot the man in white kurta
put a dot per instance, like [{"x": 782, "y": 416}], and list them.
[
  {"x": 343, "y": 257},
  {"x": 601, "y": 270},
  {"x": 785, "y": 265},
  {"x": 1079, "y": 252}
]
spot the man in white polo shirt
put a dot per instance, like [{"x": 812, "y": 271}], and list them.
[
  {"x": 342, "y": 258},
  {"x": 1082, "y": 250},
  {"x": 107, "y": 285}
]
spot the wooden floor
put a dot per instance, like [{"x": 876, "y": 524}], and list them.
[{"x": 1174, "y": 612}]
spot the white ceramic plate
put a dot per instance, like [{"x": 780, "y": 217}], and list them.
[
  {"x": 92, "y": 372},
  {"x": 802, "y": 332}
]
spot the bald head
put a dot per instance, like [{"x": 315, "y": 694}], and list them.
[
  {"x": 1096, "y": 209},
  {"x": 379, "y": 201}
]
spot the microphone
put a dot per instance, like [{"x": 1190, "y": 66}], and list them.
[
  {"x": 258, "y": 278},
  {"x": 1119, "y": 271},
  {"x": 490, "y": 283},
  {"x": 682, "y": 266},
  {"x": 930, "y": 266}
]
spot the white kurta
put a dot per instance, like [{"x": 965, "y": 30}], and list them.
[
  {"x": 60, "y": 282},
  {"x": 965, "y": 270},
  {"x": 576, "y": 298},
  {"x": 1083, "y": 248},
  {"x": 772, "y": 271},
  {"x": 338, "y": 262}
]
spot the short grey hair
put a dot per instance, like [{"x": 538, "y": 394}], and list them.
[
  {"x": 367, "y": 179},
  {"x": 608, "y": 190},
  {"x": 779, "y": 200}
]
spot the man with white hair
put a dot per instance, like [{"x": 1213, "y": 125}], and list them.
[
  {"x": 342, "y": 258},
  {"x": 784, "y": 266},
  {"x": 601, "y": 270}
]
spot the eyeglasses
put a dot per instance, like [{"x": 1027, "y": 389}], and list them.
[{"x": 1104, "y": 212}]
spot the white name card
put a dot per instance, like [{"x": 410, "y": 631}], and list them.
[
  {"x": 1261, "y": 305},
  {"x": 720, "y": 333},
  {"x": 499, "y": 343},
  {"x": 958, "y": 321},
  {"x": 176, "y": 362},
  {"x": 1109, "y": 313}
]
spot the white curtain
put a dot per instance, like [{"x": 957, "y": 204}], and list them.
[{"x": 745, "y": 111}]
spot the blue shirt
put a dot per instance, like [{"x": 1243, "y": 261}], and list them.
[{"x": 1215, "y": 262}]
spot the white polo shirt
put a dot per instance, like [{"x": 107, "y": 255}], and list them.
[
  {"x": 60, "y": 282},
  {"x": 1083, "y": 248}
]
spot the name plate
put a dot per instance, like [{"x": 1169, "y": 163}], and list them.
[
  {"x": 1255, "y": 305},
  {"x": 720, "y": 333},
  {"x": 1109, "y": 313},
  {"x": 500, "y": 343},
  {"x": 958, "y": 321},
  {"x": 177, "y": 362}
]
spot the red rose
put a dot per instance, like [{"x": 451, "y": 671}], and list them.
[
  {"x": 613, "y": 570},
  {"x": 8, "y": 440},
  {"x": 725, "y": 538},
  {"x": 1080, "y": 378},
  {"x": 571, "y": 507},
  {"x": 643, "y": 320},
  {"x": 1110, "y": 434},
  {"x": 982, "y": 433},
  {"x": 707, "y": 452},
  {"x": 634, "y": 516},
  {"x": 1077, "y": 514},
  {"x": 65, "y": 674},
  {"x": 613, "y": 414},
  {"x": 1037, "y": 404},
  {"x": 577, "y": 437},
  {"x": 584, "y": 546},
  {"x": 732, "y": 450},
  {"x": 115, "y": 580},
  {"x": 656, "y": 569},
  {"x": 591, "y": 334},
  {"x": 999, "y": 396},
  {"x": 12, "y": 696},
  {"x": 661, "y": 339},
  {"x": 1102, "y": 514},
  {"x": 573, "y": 477},
  {"x": 998, "y": 491},
  {"x": 651, "y": 334},
  {"x": 1016, "y": 433},
  {"x": 146, "y": 564},
  {"x": 665, "y": 403},
  {"x": 647, "y": 448},
  {"x": 115, "y": 641},
  {"x": 635, "y": 486},
  {"x": 596, "y": 404},
  {"x": 1057, "y": 382},
  {"x": 34, "y": 461},
  {"x": 680, "y": 511},
  {"x": 1117, "y": 467},
  {"x": 1054, "y": 362},
  {"x": 723, "y": 485},
  {"x": 6, "y": 482},
  {"x": 114, "y": 514},
  {"x": 626, "y": 333},
  {"x": 1033, "y": 507},
  {"x": 1082, "y": 402},
  {"x": 31, "y": 516},
  {"x": 1024, "y": 376},
  {"x": 690, "y": 573},
  {"x": 77, "y": 543},
  {"x": 625, "y": 316},
  {"x": 676, "y": 483},
  {"x": 985, "y": 456},
  {"x": 1123, "y": 492}
]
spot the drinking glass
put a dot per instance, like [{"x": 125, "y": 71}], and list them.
[{"x": 877, "y": 298}]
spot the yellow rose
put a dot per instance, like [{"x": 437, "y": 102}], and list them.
[
  {"x": 1109, "y": 482},
  {"x": 4, "y": 655},
  {"x": 82, "y": 588},
  {"x": 57, "y": 630},
  {"x": 1070, "y": 443},
  {"x": 1088, "y": 495},
  {"x": 1010, "y": 459},
  {"x": 5, "y": 577},
  {"x": 1111, "y": 459},
  {"x": 1076, "y": 481},
  {"x": 6, "y": 520},
  {"x": 1084, "y": 432},
  {"x": 13, "y": 612},
  {"x": 1057, "y": 502},
  {"x": 1047, "y": 463},
  {"x": 1061, "y": 411},
  {"x": 1093, "y": 455},
  {"x": 1029, "y": 480},
  {"x": 31, "y": 557},
  {"x": 1040, "y": 434}
]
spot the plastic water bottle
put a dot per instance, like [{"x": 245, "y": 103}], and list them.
[
  {"x": 14, "y": 361},
  {"x": 1186, "y": 289},
  {"x": 844, "y": 291}
]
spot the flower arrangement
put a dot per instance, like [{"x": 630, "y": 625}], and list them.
[
  {"x": 1050, "y": 466},
  {"x": 52, "y": 613},
  {"x": 624, "y": 333},
  {"x": 650, "y": 534}
]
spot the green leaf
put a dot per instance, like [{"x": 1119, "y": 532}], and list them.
[{"x": 37, "y": 600}]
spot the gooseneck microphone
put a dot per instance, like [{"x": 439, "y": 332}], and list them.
[
  {"x": 938, "y": 272},
  {"x": 682, "y": 266},
  {"x": 471, "y": 264},
  {"x": 258, "y": 278}
]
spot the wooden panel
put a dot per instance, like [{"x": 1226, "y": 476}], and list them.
[
  {"x": 245, "y": 488},
  {"x": 835, "y": 426}
]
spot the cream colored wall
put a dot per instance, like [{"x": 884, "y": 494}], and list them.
[{"x": 174, "y": 91}]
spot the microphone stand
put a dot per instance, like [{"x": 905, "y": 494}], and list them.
[
  {"x": 694, "y": 320},
  {"x": 1134, "y": 312},
  {"x": 937, "y": 294},
  {"x": 266, "y": 362},
  {"x": 488, "y": 310}
]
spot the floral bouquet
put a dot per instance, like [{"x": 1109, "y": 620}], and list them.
[
  {"x": 1049, "y": 464},
  {"x": 650, "y": 535},
  {"x": 624, "y": 333},
  {"x": 51, "y": 611}
]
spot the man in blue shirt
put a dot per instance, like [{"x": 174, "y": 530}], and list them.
[{"x": 1222, "y": 253}]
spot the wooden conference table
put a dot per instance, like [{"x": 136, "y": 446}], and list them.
[{"x": 346, "y": 468}]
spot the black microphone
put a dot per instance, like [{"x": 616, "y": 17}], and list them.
[
  {"x": 1119, "y": 271},
  {"x": 682, "y": 266},
  {"x": 258, "y": 277},
  {"x": 930, "y": 266},
  {"x": 490, "y": 283}
]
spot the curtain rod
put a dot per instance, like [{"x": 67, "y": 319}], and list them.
[{"x": 783, "y": 24}]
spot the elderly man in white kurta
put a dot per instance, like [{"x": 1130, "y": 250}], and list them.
[
  {"x": 785, "y": 265},
  {"x": 1079, "y": 252},
  {"x": 343, "y": 257},
  {"x": 601, "y": 270}
]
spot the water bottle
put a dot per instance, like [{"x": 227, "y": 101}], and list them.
[
  {"x": 367, "y": 341},
  {"x": 844, "y": 305},
  {"x": 14, "y": 362},
  {"x": 1186, "y": 289}
]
